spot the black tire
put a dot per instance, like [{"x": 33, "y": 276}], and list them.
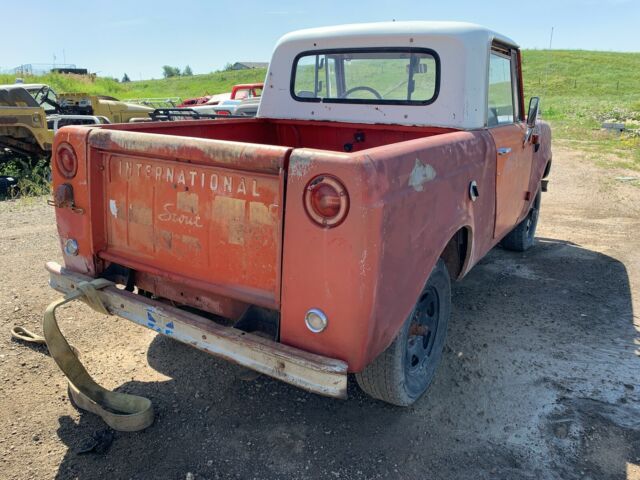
[
  {"x": 522, "y": 237},
  {"x": 403, "y": 372}
]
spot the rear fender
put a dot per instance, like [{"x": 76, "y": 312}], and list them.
[
  {"x": 76, "y": 224},
  {"x": 407, "y": 200}
]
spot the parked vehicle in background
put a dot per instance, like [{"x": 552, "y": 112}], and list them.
[
  {"x": 386, "y": 160},
  {"x": 238, "y": 92},
  {"x": 55, "y": 122},
  {"x": 190, "y": 102},
  {"x": 247, "y": 90},
  {"x": 225, "y": 107},
  {"x": 170, "y": 102},
  {"x": 248, "y": 107},
  {"x": 83, "y": 104},
  {"x": 23, "y": 122},
  {"x": 29, "y": 114}
]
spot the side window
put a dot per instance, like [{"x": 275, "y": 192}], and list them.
[{"x": 501, "y": 90}]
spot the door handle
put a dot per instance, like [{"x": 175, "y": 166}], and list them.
[{"x": 504, "y": 151}]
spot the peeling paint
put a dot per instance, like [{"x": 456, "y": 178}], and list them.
[
  {"x": 113, "y": 208},
  {"x": 229, "y": 214},
  {"x": 300, "y": 166},
  {"x": 187, "y": 202},
  {"x": 140, "y": 215},
  {"x": 262, "y": 158},
  {"x": 363, "y": 263},
  {"x": 259, "y": 213},
  {"x": 192, "y": 242},
  {"x": 421, "y": 174}
]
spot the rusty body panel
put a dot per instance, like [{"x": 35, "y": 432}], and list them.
[
  {"x": 513, "y": 173},
  {"x": 150, "y": 205},
  {"x": 159, "y": 215},
  {"x": 411, "y": 199}
]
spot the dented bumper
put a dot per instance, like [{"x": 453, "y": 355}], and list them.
[{"x": 311, "y": 372}]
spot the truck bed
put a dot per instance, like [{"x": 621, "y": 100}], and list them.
[
  {"x": 200, "y": 218},
  {"x": 331, "y": 136}
]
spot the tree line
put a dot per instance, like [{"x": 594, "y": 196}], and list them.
[{"x": 167, "y": 72}]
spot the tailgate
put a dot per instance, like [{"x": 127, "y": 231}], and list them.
[{"x": 207, "y": 213}]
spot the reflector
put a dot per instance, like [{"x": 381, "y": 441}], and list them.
[
  {"x": 66, "y": 160},
  {"x": 326, "y": 201}
]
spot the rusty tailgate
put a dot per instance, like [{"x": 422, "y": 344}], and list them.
[{"x": 206, "y": 213}]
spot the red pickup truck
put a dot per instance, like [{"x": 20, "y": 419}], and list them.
[
  {"x": 321, "y": 237},
  {"x": 241, "y": 91}
]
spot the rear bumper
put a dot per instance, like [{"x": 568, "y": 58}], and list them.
[{"x": 311, "y": 372}]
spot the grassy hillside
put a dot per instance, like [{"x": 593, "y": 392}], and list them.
[
  {"x": 582, "y": 89},
  {"x": 183, "y": 87},
  {"x": 579, "y": 90}
]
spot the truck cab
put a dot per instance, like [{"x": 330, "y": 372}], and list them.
[{"x": 321, "y": 237}]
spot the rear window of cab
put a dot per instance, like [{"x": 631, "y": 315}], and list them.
[{"x": 393, "y": 76}]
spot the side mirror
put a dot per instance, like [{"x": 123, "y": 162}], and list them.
[
  {"x": 534, "y": 108},
  {"x": 417, "y": 68},
  {"x": 532, "y": 117}
]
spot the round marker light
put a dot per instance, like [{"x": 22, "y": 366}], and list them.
[
  {"x": 66, "y": 160},
  {"x": 326, "y": 201},
  {"x": 71, "y": 247},
  {"x": 316, "y": 320}
]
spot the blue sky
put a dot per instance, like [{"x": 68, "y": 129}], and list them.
[{"x": 139, "y": 36}]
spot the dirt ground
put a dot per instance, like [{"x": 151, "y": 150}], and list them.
[{"x": 541, "y": 376}]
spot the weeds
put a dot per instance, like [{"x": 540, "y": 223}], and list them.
[{"x": 32, "y": 175}]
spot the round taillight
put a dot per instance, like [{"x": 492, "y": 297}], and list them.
[
  {"x": 326, "y": 201},
  {"x": 66, "y": 160}
]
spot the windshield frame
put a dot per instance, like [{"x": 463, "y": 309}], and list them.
[{"x": 367, "y": 101}]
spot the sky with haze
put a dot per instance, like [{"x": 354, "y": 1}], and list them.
[{"x": 139, "y": 36}]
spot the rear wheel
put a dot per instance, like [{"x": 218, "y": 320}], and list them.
[
  {"x": 522, "y": 237},
  {"x": 403, "y": 372}
]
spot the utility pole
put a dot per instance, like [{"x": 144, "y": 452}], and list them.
[{"x": 546, "y": 73}]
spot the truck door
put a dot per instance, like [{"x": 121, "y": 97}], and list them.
[{"x": 505, "y": 121}]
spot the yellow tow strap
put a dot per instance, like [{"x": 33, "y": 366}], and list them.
[{"x": 120, "y": 411}]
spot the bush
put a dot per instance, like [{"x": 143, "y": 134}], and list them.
[
  {"x": 32, "y": 174},
  {"x": 168, "y": 71}
]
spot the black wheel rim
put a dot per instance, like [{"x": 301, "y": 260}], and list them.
[
  {"x": 422, "y": 336},
  {"x": 532, "y": 218}
]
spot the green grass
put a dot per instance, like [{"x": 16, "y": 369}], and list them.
[
  {"x": 183, "y": 87},
  {"x": 579, "y": 90}
]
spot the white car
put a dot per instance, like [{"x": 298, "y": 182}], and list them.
[
  {"x": 54, "y": 122},
  {"x": 225, "y": 107}
]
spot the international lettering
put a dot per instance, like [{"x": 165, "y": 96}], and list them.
[{"x": 190, "y": 177}]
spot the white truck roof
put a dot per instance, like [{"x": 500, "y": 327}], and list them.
[{"x": 463, "y": 49}]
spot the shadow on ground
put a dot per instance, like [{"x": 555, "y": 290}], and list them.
[{"x": 539, "y": 380}]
